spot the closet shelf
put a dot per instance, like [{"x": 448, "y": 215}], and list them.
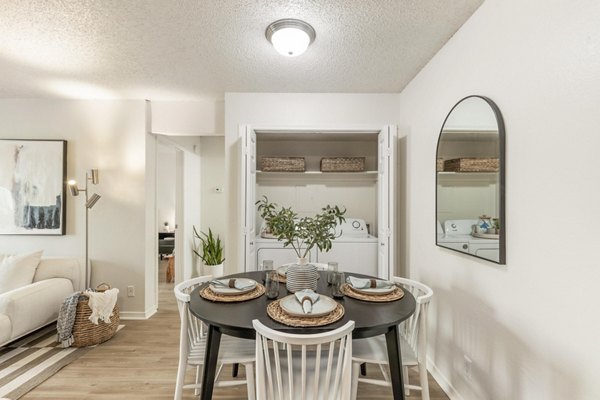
[{"x": 366, "y": 176}]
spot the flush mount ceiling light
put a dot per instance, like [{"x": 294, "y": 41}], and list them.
[{"x": 290, "y": 37}]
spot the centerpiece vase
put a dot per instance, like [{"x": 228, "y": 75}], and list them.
[{"x": 301, "y": 275}]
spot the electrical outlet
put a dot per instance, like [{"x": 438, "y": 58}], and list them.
[
  {"x": 468, "y": 364},
  {"x": 130, "y": 291}
]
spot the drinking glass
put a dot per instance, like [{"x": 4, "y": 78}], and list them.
[
  {"x": 267, "y": 265},
  {"x": 337, "y": 280},
  {"x": 332, "y": 266},
  {"x": 272, "y": 285}
]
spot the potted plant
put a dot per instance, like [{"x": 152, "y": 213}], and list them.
[
  {"x": 210, "y": 251},
  {"x": 302, "y": 234}
]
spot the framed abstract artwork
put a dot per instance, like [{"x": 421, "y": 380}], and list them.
[{"x": 32, "y": 187}]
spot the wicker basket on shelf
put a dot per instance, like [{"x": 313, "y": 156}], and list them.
[
  {"x": 283, "y": 164},
  {"x": 342, "y": 164},
  {"x": 85, "y": 333},
  {"x": 439, "y": 165},
  {"x": 472, "y": 165}
]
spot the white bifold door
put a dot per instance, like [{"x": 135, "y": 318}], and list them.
[{"x": 386, "y": 178}]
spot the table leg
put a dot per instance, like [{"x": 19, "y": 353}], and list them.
[
  {"x": 213, "y": 341},
  {"x": 395, "y": 360}
]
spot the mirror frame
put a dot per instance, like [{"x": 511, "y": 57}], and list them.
[{"x": 502, "y": 181}]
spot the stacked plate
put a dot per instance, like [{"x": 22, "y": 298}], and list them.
[{"x": 301, "y": 277}]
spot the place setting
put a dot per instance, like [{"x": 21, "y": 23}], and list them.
[
  {"x": 231, "y": 290},
  {"x": 374, "y": 290},
  {"x": 305, "y": 308}
]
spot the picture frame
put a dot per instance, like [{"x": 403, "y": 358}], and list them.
[{"x": 33, "y": 187}]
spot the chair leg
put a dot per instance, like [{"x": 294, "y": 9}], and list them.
[
  {"x": 235, "y": 369},
  {"x": 363, "y": 369},
  {"x": 406, "y": 383},
  {"x": 250, "y": 381},
  {"x": 355, "y": 370},
  {"x": 424, "y": 382},
  {"x": 180, "y": 377},
  {"x": 197, "y": 388}
]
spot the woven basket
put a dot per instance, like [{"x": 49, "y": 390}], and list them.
[
  {"x": 342, "y": 164},
  {"x": 283, "y": 164},
  {"x": 472, "y": 165},
  {"x": 439, "y": 165},
  {"x": 87, "y": 334}
]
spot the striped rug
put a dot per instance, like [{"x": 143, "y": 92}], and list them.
[{"x": 26, "y": 363}]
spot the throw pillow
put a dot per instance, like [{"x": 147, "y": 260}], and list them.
[{"x": 18, "y": 270}]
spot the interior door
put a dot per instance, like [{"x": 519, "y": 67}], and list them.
[
  {"x": 248, "y": 191},
  {"x": 386, "y": 200}
]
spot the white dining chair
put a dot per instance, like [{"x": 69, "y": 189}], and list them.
[
  {"x": 309, "y": 367},
  {"x": 413, "y": 345},
  {"x": 192, "y": 344}
]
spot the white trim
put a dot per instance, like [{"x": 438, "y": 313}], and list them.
[
  {"x": 442, "y": 381},
  {"x": 326, "y": 128},
  {"x": 125, "y": 315}
]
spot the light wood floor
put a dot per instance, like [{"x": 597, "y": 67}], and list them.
[{"x": 140, "y": 362}]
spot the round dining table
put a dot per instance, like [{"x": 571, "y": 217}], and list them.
[{"x": 235, "y": 319}]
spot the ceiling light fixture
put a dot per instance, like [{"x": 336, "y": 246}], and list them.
[{"x": 290, "y": 37}]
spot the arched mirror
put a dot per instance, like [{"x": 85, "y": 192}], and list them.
[{"x": 470, "y": 180}]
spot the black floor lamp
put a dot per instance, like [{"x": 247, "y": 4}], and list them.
[{"x": 91, "y": 176}]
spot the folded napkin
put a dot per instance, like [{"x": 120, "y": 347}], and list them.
[
  {"x": 307, "y": 298},
  {"x": 359, "y": 283},
  {"x": 232, "y": 283}
]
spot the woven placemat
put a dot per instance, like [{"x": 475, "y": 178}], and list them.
[
  {"x": 208, "y": 294},
  {"x": 397, "y": 294},
  {"x": 278, "y": 314}
]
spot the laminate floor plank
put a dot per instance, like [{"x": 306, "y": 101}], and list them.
[{"x": 140, "y": 362}]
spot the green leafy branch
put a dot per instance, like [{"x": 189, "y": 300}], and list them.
[{"x": 302, "y": 234}]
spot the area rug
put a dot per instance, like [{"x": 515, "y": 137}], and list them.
[{"x": 26, "y": 363}]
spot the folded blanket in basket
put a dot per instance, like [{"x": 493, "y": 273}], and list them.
[
  {"x": 66, "y": 319},
  {"x": 102, "y": 304}
]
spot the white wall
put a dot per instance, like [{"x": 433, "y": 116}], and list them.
[
  {"x": 214, "y": 197},
  {"x": 110, "y": 136},
  {"x": 289, "y": 110},
  {"x": 189, "y": 193},
  {"x": 165, "y": 184},
  {"x": 187, "y": 117},
  {"x": 530, "y": 327}
]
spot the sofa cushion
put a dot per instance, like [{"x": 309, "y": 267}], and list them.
[
  {"x": 18, "y": 270},
  {"x": 35, "y": 305},
  {"x": 59, "y": 268},
  {"x": 5, "y": 328}
]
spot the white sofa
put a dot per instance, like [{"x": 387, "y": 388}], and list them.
[{"x": 30, "y": 307}]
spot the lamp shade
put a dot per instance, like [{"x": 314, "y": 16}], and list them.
[
  {"x": 290, "y": 37},
  {"x": 92, "y": 200},
  {"x": 73, "y": 188}
]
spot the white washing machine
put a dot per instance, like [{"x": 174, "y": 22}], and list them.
[
  {"x": 457, "y": 236},
  {"x": 355, "y": 250}
]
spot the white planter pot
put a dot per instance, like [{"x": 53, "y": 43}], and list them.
[{"x": 215, "y": 270}]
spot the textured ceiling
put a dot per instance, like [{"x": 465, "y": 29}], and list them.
[{"x": 169, "y": 50}]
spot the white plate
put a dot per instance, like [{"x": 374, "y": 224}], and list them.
[
  {"x": 374, "y": 291},
  {"x": 292, "y": 306},
  {"x": 226, "y": 291},
  {"x": 283, "y": 269}
]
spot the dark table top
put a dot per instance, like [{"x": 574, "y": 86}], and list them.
[{"x": 235, "y": 319}]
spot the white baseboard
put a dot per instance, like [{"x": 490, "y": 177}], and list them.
[
  {"x": 137, "y": 314},
  {"x": 442, "y": 381}
]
